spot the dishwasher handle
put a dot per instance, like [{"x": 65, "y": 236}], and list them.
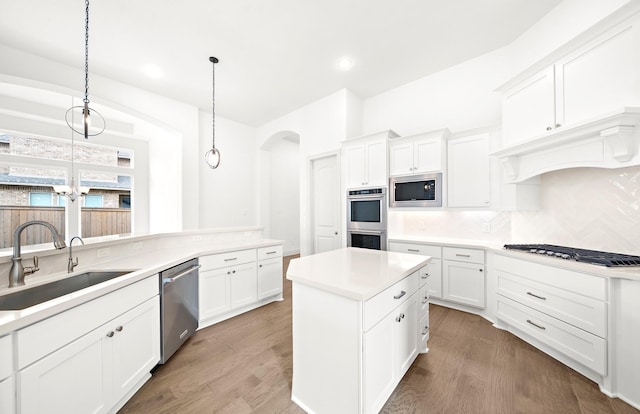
[{"x": 179, "y": 275}]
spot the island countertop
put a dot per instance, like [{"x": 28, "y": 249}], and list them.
[{"x": 354, "y": 272}]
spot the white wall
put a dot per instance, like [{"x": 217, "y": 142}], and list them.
[
  {"x": 321, "y": 126},
  {"x": 284, "y": 194},
  {"x": 229, "y": 193}
]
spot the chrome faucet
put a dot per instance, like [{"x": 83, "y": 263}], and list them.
[
  {"x": 17, "y": 272},
  {"x": 72, "y": 264}
]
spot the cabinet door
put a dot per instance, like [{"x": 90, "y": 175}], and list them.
[
  {"x": 243, "y": 285},
  {"x": 529, "y": 108},
  {"x": 7, "y": 396},
  {"x": 376, "y": 163},
  {"x": 355, "y": 165},
  {"x": 136, "y": 346},
  {"x": 600, "y": 77},
  {"x": 406, "y": 334},
  {"x": 469, "y": 171},
  {"x": 463, "y": 283},
  {"x": 379, "y": 364},
  {"x": 213, "y": 293},
  {"x": 401, "y": 158},
  {"x": 427, "y": 155},
  {"x": 435, "y": 278},
  {"x": 74, "y": 379},
  {"x": 269, "y": 277}
]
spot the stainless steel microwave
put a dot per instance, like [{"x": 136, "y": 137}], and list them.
[{"x": 416, "y": 191}]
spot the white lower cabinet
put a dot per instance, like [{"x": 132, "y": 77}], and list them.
[
  {"x": 7, "y": 396},
  {"x": 269, "y": 277},
  {"x": 565, "y": 311},
  {"x": 463, "y": 279},
  {"x": 97, "y": 372},
  {"x": 235, "y": 282}
]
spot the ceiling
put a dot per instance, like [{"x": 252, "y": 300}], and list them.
[{"x": 275, "y": 55}]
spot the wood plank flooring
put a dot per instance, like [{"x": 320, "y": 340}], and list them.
[{"x": 244, "y": 365}]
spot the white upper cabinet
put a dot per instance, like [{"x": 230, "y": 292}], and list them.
[
  {"x": 365, "y": 160},
  {"x": 418, "y": 154},
  {"x": 528, "y": 109},
  {"x": 469, "y": 171},
  {"x": 601, "y": 76}
]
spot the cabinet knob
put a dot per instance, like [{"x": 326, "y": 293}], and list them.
[
  {"x": 110, "y": 334},
  {"x": 398, "y": 319},
  {"x": 228, "y": 272},
  {"x": 259, "y": 265},
  {"x": 119, "y": 328},
  {"x": 549, "y": 128},
  {"x": 558, "y": 125},
  {"x": 479, "y": 270},
  {"x": 233, "y": 271}
]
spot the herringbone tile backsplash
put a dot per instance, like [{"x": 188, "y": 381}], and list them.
[{"x": 590, "y": 208}]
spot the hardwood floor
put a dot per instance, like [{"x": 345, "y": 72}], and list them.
[{"x": 244, "y": 365}]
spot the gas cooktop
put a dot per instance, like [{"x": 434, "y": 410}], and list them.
[{"x": 579, "y": 255}]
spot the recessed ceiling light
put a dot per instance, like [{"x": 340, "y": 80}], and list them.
[
  {"x": 153, "y": 71},
  {"x": 344, "y": 63}
]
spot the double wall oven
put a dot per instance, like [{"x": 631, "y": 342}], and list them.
[{"x": 367, "y": 218}]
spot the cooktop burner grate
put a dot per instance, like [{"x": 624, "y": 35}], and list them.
[{"x": 579, "y": 255}]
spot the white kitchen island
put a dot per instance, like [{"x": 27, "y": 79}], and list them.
[{"x": 360, "y": 318}]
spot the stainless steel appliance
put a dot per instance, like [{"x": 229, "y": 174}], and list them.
[
  {"x": 178, "y": 306},
  {"x": 367, "y": 218},
  {"x": 423, "y": 190},
  {"x": 579, "y": 255}
]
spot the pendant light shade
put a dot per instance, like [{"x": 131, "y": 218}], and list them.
[
  {"x": 212, "y": 157},
  {"x": 86, "y": 111}
]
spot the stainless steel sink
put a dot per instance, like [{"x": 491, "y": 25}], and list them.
[{"x": 39, "y": 294}]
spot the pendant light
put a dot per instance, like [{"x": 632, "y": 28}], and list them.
[
  {"x": 212, "y": 157},
  {"x": 87, "y": 112},
  {"x": 72, "y": 192}
]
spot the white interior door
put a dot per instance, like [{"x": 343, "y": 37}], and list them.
[{"x": 325, "y": 204}]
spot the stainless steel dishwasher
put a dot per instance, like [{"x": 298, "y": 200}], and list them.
[{"x": 178, "y": 306}]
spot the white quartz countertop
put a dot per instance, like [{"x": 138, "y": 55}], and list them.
[
  {"x": 353, "y": 272},
  {"x": 144, "y": 265}
]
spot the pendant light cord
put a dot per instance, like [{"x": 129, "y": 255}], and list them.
[
  {"x": 86, "y": 53},
  {"x": 213, "y": 98}
]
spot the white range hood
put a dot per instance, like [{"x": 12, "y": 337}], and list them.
[{"x": 609, "y": 141}]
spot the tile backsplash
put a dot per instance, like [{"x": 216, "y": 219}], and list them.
[{"x": 590, "y": 208}]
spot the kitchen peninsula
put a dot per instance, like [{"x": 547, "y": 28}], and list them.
[{"x": 360, "y": 318}]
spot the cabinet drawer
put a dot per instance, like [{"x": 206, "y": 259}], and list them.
[
  {"x": 423, "y": 329},
  {"x": 580, "y": 283},
  {"x": 42, "y": 338},
  {"x": 269, "y": 252},
  {"x": 583, "y": 347},
  {"x": 581, "y": 311},
  {"x": 216, "y": 261},
  {"x": 6, "y": 356},
  {"x": 416, "y": 248},
  {"x": 463, "y": 255},
  {"x": 387, "y": 300},
  {"x": 423, "y": 298}
]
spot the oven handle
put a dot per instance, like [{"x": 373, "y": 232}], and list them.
[
  {"x": 376, "y": 232},
  {"x": 179, "y": 275}
]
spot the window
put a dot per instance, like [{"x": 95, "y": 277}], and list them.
[
  {"x": 40, "y": 199},
  {"x": 31, "y": 166},
  {"x": 93, "y": 201}
]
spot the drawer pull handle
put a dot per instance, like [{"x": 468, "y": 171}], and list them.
[
  {"x": 110, "y": 334},
  {"x": 536, "y": 296},
  {"x": 426, "y": 331},
  {"x": 425, "y": 276},
  {"x": 414, "y": 250},
  {"x": 400, "y": 317},
  {"x": 273, "y": 252},
  {"x": 119, "y": 328},
  {"x": 425, "y": 300},
  {"x": 462, "y": 255},
  {"x": 402, "y": 293},
  {"x": 536, "y": 325},
  {"x": 231, "y": 259}
]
